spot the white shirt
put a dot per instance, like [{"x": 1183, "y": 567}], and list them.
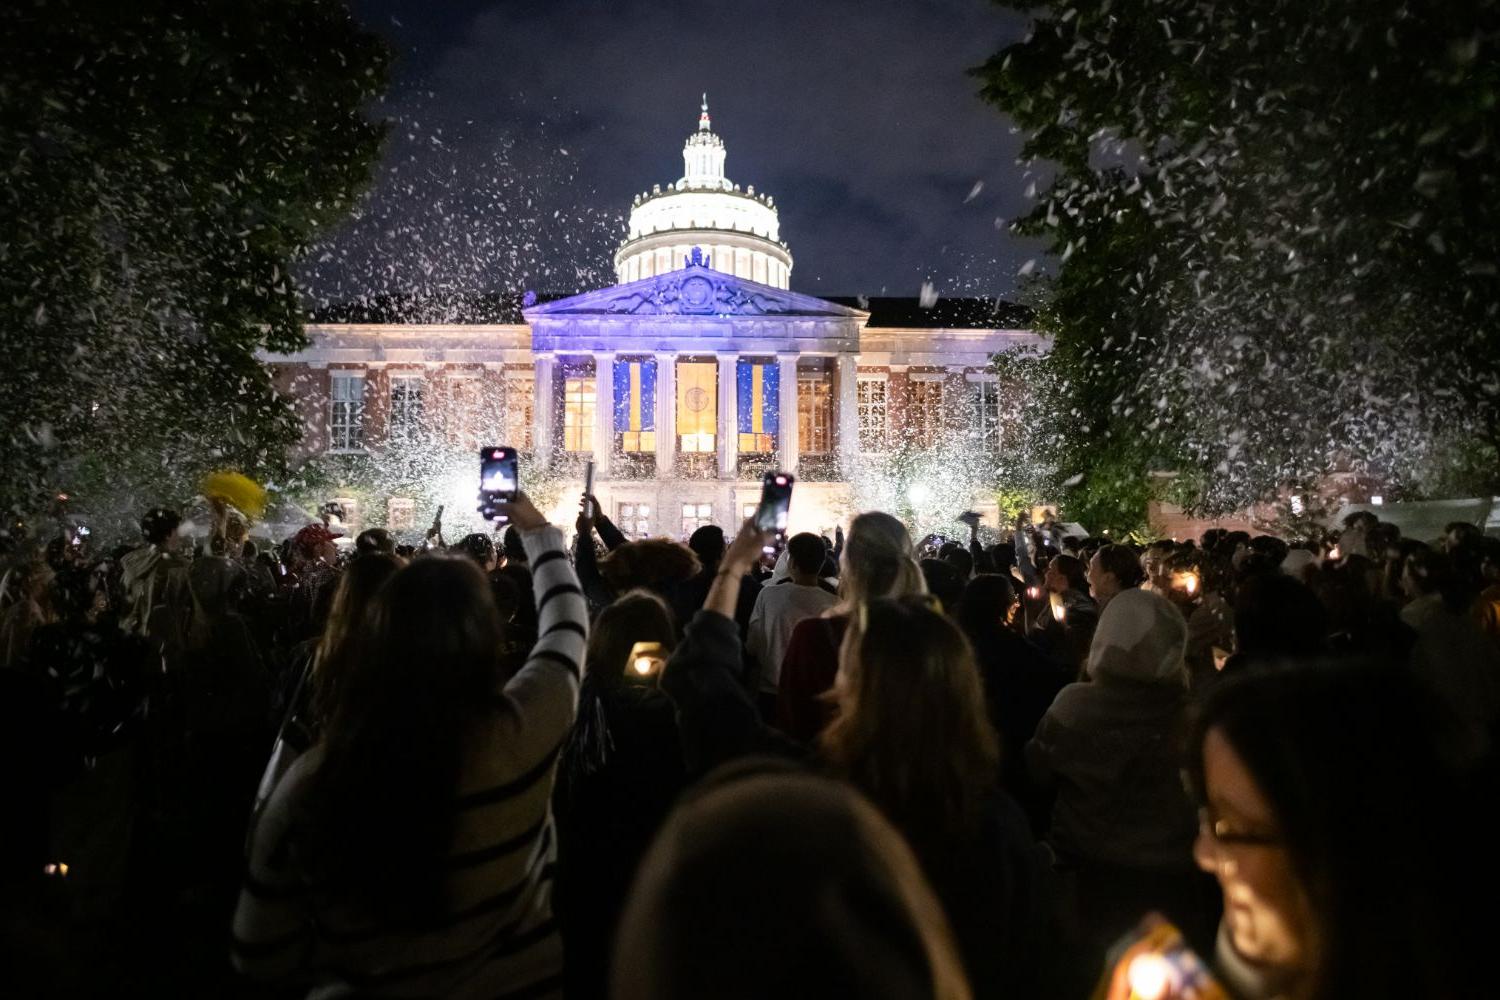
[{"x": 778, "y": 609}]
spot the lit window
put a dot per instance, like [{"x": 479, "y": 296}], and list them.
[
  {"x": 346, "y": 413},
  {"x": 758, "y": 387},
  {"x": 635, "y": 405},
  {"x": 578, "y": 414},
  {"x": 814, "y": 413},
  {"x": 464, "y": 416},
  {"x": 870, "y": 399},
  {"x": 400, "y": 513},
  {"x": 634, "y": 519},
  {"x": 984, "y": 407},
  {"x": 406, "y": 409},
  {"x": 520, "y": 396},
  {"x": 924, "y": 412},
  {"x": 695, "y": 516},
  {"x": 697, "y": 406}
]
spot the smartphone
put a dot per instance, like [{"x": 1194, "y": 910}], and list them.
[
  {"x": 499, "y": 479},
  {"x": 775, "y": 502},
  {"x": 1154, "y": 963},
  {"x": 647, "y": 659},
  {"x": 588, "y": 486}
]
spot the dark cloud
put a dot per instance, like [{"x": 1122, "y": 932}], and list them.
[{"x": 857, "y": 116}]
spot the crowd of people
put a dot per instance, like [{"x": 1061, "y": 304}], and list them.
[{"x": 524, "y": 765}]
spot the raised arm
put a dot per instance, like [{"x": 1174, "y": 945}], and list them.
[
  {"x": 586, "y": 561},
  {"x": 716, "y": 718},
  {"x": 611, "y": 536},
  {"x": 544, "y": 692}
]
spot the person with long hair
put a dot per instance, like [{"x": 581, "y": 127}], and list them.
[
  {"x": 410, "y": 851},
  {"x": 360, "y": 581},
  {"x": 1337, "y": 814},
  {"x": 877, "y": 561},
  {"x": 620, "y": 772},
  {"x": 910, "y": 731}
]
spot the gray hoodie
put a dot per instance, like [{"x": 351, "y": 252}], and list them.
[{"x": 1110, "y": 745}]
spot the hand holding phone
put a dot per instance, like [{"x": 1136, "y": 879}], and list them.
[
  {"x": 1155, "y": 963},
  {"x": 775, "y": 503},
  {"x": 499, "y": 480},
  {"x": 588, "y": 489},
  {"x": 646, "y": 659}
]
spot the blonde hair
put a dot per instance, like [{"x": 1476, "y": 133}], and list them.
[
  {"x": 911, "y": 731},
  {"x": 877, "y": 562}
]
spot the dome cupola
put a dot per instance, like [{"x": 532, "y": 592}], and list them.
[{"x": 739, "y": 231}]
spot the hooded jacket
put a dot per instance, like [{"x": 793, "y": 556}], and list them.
[
  {"x": 1110, "y": 745},
  {"x": 158, "y": 603}
]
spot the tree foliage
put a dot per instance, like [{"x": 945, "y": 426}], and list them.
[
  {"x": 166, "y": 164},
  {"x": 1276, "y": 228}
]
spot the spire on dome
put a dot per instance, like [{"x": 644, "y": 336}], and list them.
[{"x": 703, "y": 123}]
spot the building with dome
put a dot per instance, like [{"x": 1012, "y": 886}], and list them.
[
  {"x": 738, "y": 232},
  {"x": 699, "y": 370}
]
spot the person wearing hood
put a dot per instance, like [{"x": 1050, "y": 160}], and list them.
[
  {"x": 159, "y": 606},
  {"x": 1110, "y": 746}
]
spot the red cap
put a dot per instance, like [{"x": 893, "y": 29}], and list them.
[{"x": 313, "y": 535}]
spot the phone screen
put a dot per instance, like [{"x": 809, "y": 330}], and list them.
[
  {"x": 499, "y": 475},
  {"x": 775, "y": 502},
  {"x": 1155, "y": 962}
]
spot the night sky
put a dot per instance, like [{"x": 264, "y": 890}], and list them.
[{"x": 522, "y": 131}]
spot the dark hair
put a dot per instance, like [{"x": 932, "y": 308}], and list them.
[
  {"x": 515, "y": 551},
  {"x": 379, "y": 809},
  {"x": 1271, "y": 547},
  {"x": 1434, "y": 572},
  {"x": 648, "y": 562},
  {"x": 1277, "y": 616},
  {"x": 805, "y": 551},
  {"x": 960, "y": 559},
  {"x": 986, "y": 600},
  {"x": 708, "y": 544},
  {"x": 478, "y": 548},
  {"x": 1073, "y": 570},
  {"x": 943, "y": 582},
  {"x": 373, "y": 540},
  {"x": 159, "y": 523},
  {"x": 638, "y": 616},
  {"x": 1122, "y": 563},
  {"x": 357, "y": 586},
  {"x": 1352, "y": 758}
]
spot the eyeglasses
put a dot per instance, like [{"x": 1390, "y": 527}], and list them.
[{"x": 1223, "y": 835}]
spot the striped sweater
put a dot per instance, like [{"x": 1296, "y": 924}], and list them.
[{"x": 498, "y": 938}]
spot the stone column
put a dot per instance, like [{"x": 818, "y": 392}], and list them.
[
  {"x": 666, "y": 415},
  {"x": 541, "y": 406},
  {"x": 604, "y": 412},
  {"x": 846, "y": 383},
  {"x": 786, "y": 434},
  {"x": 729, "y": 419}
]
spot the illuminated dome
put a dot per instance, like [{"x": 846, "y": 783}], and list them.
[{"x": 737, "y": 230}]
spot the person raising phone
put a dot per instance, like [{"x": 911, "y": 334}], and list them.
[{"x": 410, "y": 851}]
